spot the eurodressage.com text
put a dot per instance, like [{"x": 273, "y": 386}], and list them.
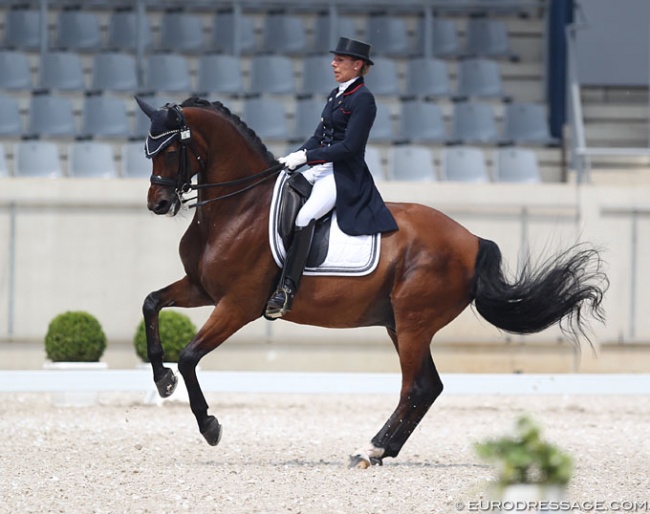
[{"x": 554, "y": 506}]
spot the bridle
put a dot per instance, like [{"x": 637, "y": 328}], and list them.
[{"x": 183, "y": 182}]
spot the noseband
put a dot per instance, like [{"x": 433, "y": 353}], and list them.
[{"x": 183, "y": 181}]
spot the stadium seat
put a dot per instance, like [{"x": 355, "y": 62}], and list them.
[
  {"x": 388, "y": 36},
  {"x": 422, "y": 122},
  {"x": 272, "y": 74},
  {"x": 325, "y": 39},
  {"x": 284, "y": 34},
  {"x": 37, "y": 159},
  {"x": 444, "y": 39},
  {"x": 487, "y": 37},
  {"x": 168, "y": 73},
  {"x": 16, "y": 74},
  {"x": 382, "y": 129},
  {"x": 62, "y": 71},
  {"x": 181, "y": 32},
  {"x": 78, "y": 31},
  {"x": 134, "y": 162},
  {"x": 51, "y": 116},
  {"x": 480, "y": 78},
  {"x": 105, "y": 116},
  {"x": 219, "y": 74},
  {"x": 474, "y": 122},
  {"x": 526, "y": 123},
  {"x": 516, "y": 165},
  {"x": 427, "y": 78},
  {"x": 90, "y": 159},
  {"x": 411, "y": 163},
  {"x": 114, "y": 72},
  {"x": 374, "y": 162},
  {"x": 22, "y": 29},
  {"x": 317, "y": 76},
  {"x": 464, "y": 164},
  {"x": 383, "y": 78},
  {"x": 10, "y": 120},
  {"x": 223, "y": 35},
  {"x": 267, "y": 117},
  {"x": 308, "y": 114},
  {"x": 125, "y": 34}
]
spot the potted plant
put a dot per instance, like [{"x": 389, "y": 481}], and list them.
[
  {"x": 529, "y": 468},
  {"x": 175, "y": 330},
  {"x": 75, "y": 340}
]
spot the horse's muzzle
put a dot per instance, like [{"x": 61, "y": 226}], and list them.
[{"x": 163, "y": 202}]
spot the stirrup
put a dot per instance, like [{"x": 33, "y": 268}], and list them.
[{"x": 280, "y": 303}]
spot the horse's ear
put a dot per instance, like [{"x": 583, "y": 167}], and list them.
[{"x": 146, "y": 108}]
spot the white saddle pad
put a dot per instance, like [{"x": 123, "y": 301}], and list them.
[{"x": 346, "y": 255}]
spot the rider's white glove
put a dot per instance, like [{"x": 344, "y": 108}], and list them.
[{"x": 294, "y": 160}]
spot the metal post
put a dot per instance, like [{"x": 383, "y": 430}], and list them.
[
  {"x": 139, "y": 35},
  {"x": 333, "y": 24},
  {"x": 43, "y": 43},
  {"x": 236, "y": 30},
  {"x": 428, "y": 32}
]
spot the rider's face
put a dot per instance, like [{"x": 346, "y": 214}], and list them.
[{"x": 345, "y": 67}]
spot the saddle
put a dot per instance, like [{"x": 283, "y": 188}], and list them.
[{"x": 295, "y": 191}]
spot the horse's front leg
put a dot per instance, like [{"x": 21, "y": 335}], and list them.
[
  {"x": 182, "y": 293},
  {"x": 222, "y": 323}
]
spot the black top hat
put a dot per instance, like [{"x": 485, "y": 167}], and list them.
[{"x": 353, "y": 48}]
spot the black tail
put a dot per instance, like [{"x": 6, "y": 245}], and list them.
[{"x": 555, "y": 293}]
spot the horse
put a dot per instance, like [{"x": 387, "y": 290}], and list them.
[{"x": 429, "y": 270}]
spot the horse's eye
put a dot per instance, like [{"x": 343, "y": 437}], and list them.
[{"x": 171, "y": 155}]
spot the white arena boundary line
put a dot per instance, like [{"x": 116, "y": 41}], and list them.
[{"x": 13, "y": 381}]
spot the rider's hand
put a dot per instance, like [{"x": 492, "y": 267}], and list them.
[{"x": 294, "y": 160}]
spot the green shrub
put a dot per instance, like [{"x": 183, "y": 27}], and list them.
[
  {"x": 525, "y": 458},
  {"x": 75, "y": 336},
  {"x": 176, "y": 330}
]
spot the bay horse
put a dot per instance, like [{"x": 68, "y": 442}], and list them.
[{"x": 429, "y": 270}]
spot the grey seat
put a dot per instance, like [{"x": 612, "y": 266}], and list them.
[
  {"x": 22, "y": 29},
  {"x": 517, "y": 165},
  {"x": 411, "y": 163},
  {"x": 308, "y": 114},
  {"x": 383, "y": 77},
  {"x": 51, "y": 116},
  {"x": 382, "y": 129},
  {"x": 464, "y": 164},
  {"x": 427, "y": 78},
  {"x": 223, "y": 34},
  {"x": 105, "y": 116},
  {"x": 219, "y": 74},
  {"x": 168, "y": 73},
  {"x": 37, "y": 159},
  {"x": 16, "y": 75},
  {"x": 125, "y": 33},
  {"x": 422, "y": 122},
  {"x": 62, "y": 71},
  {"x": 474, "y": 122},
  {"x": 388, "y": 36},
  {"x": 480, "y": 78},
  {"x": 284, "y": 34},
  {"x": 114, "y": 72},
  {"x": 78, "y": 31},
  {"x": 317, "y": 76},
  {"x": 10, "y": 120},
  {"x": 267, "y": 117},
  {"x": 272, "y": 74},
  {"x": 134, "y": 162},
  {"x": 374, "y": 162},
  {"x": 526, "y": 123},
  {"x": 326, "y": 36},
  {"x": 91, "y": 159},
  {"x": 182, "y": 32},
  {"x": 444, "y": 39},
  {"x": 488, "y": 37},
  {"x": 4, "y": 169}
]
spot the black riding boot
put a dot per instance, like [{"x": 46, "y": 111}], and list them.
[{"x": 281, "y": 301}]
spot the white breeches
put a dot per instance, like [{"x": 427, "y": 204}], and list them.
[{"x": 323, "y": 195}]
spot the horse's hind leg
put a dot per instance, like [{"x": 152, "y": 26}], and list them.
[
  {"x": 421, "y": 385},
  {"x": 179, "y": 294}
]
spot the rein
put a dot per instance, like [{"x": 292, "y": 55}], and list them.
[{"x": 182, "y": 184}]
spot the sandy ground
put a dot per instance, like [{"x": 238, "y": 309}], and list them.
[{"x": 283, "y": 453}]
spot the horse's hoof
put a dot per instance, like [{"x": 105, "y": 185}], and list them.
[
  {"x": 212, "y": 431},
  {"x": 167, "y": 384},
  {"x": 359, "y": 461}
]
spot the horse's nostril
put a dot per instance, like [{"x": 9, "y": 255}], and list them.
[{"x": 162, "y": 207}]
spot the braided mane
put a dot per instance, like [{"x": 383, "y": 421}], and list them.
[{"x": 238, "y": 123}]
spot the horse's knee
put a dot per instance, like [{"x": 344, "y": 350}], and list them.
[
  {"x": 188, "y": 359},
  {"x": 151, "y": 304}
]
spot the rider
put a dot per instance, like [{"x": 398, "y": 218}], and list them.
[{"x": 337, "y": 170}]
